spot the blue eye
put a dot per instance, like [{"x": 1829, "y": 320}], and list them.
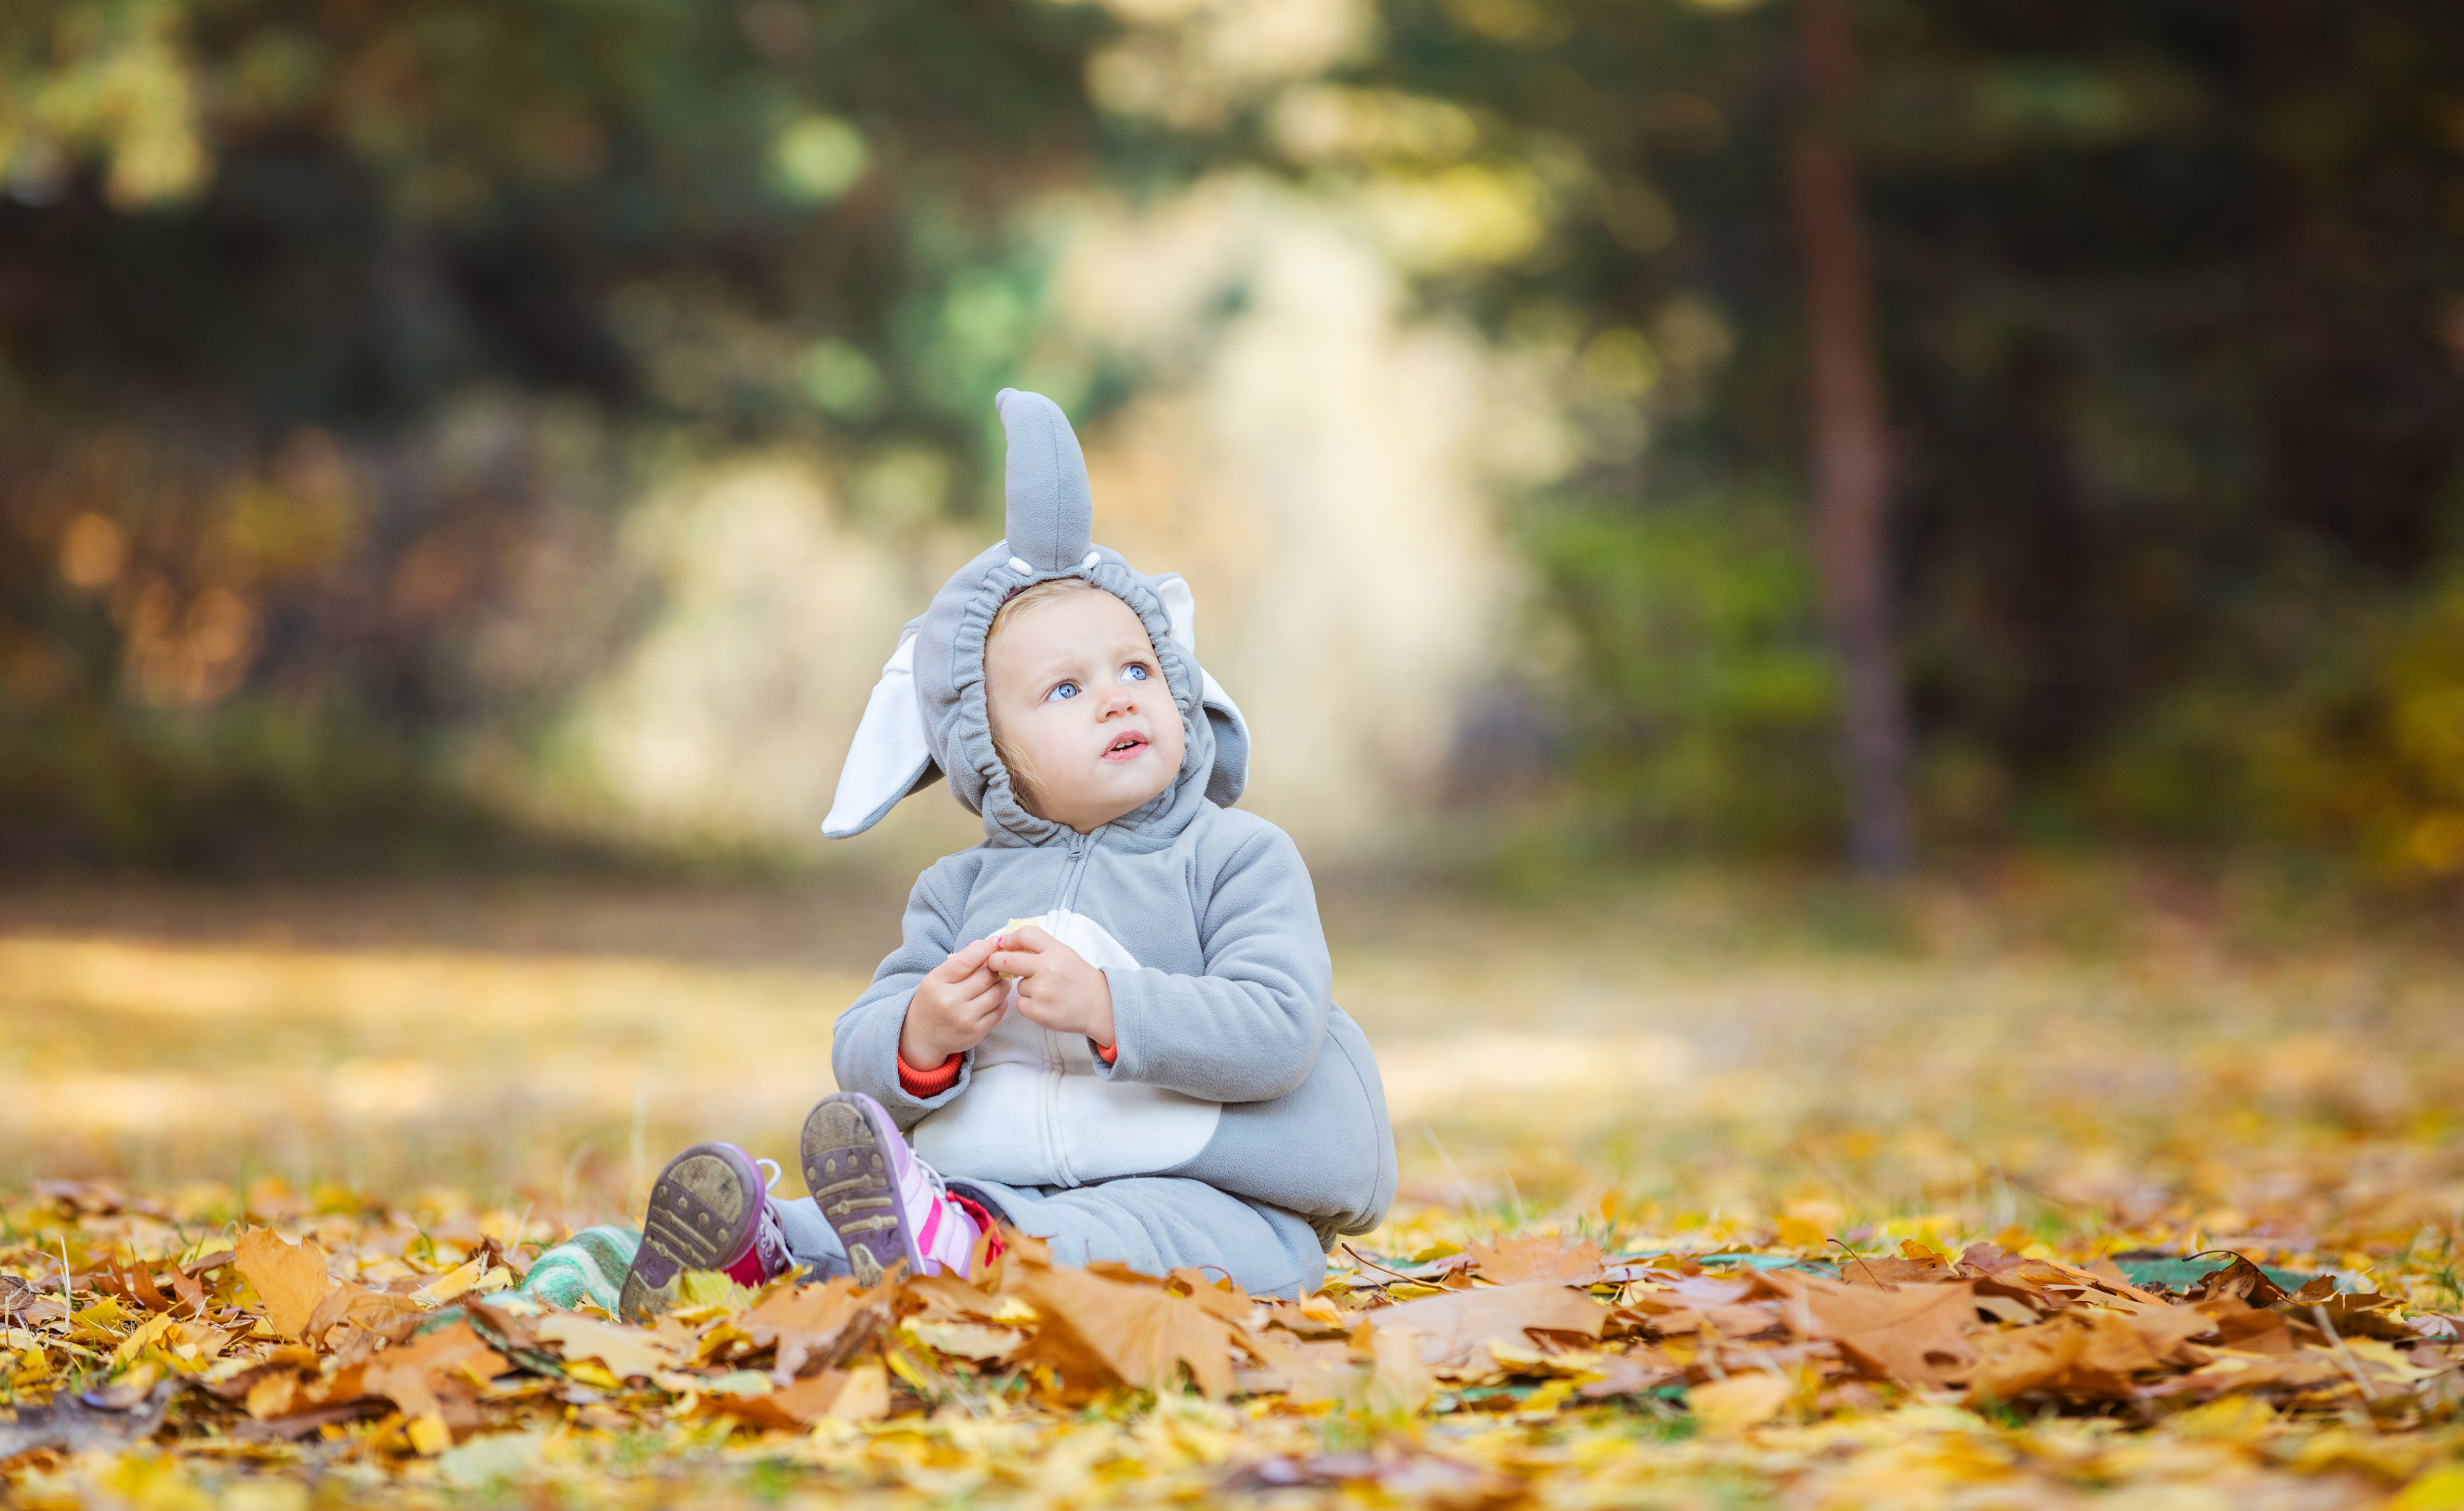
[
  {"x": 1062, "y": 694},
  {"x": 1134, "y": 673}
]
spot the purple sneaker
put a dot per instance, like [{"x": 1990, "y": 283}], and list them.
[
  {"x": 887, "y": 1206},
  {"x": 710, "y": 1210}
]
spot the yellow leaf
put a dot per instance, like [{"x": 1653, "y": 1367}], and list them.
[
  {"x": 448, "y": 1285},
  {"x": 429, "y": 1435},
  {"x": 865, "y": 1397},
  {"x": 2439, "y": 1490},
  {"x": 1798, "y": 1234},
  {"x": 709, "y": 1290},
  {"x": 290, "y": 1278},
  {"x": 626, "y": 1351},
  {"x": 135, "y": 1342},
  {"x": 1728, "y": 1407}
]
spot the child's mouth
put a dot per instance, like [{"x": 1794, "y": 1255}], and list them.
[{"x": 1126, "y": 747}]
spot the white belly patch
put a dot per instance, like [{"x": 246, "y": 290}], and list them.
[{"x": 1035, "y": 1112}]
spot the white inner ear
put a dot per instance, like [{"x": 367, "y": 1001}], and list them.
[
  {"x": 889, "y": 752},
  {"x": 1180, "y": 609}
]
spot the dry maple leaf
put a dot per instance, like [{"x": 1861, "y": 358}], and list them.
[
  {"x": 1916, "y": 1335},
  {"x": 1305, "y": 1372},
  {"x": 388, "y": 1316},
  {"x": 1515, "y": 1260},
  {"x": 2086, "y": 1355},
  {"x": 1135, "y": 1335},
  {"x": 844, "y": 1394},
  {"x": 1454, "y": 1325},
  {"x": 290, "y": 1278},
  {"x": 985, "y": 1343},
  {"x": 627, "y": 1352},
  {"x": 436, "y": 1375},
  {"x": 827, "y": 1322},
  {"x": 1725, "y": 1408},
  {"x": 2242, "y": 1282}
]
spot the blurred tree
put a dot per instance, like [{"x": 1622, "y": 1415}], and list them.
[
  {"x": 319, "y": 317},
  {"x": 320, "y": 322},
  {"x": 1850, "y": 442},
  {"x": 2166, "y": 299}
]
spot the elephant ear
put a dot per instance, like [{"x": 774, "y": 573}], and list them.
[
  {"x": 889, "y": 758},
  {"x": 1230, "y": 776},
  {"x": 1050, "y": 509}
]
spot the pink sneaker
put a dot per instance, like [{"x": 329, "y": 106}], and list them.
[
  {"x": 886, "y": 1205},
  {"x": 710, "y": 1210}
]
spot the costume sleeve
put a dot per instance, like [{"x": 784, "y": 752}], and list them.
[
  {"x": 864, "y": 1042},
  {"x": 1250, "y": 1028}
]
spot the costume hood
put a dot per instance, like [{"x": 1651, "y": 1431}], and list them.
[{"x": 927, "y": 719}]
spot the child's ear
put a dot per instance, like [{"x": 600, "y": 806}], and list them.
[
  {"x": 1052, "y": 510},
  {"x": 1231, "y": 774}
]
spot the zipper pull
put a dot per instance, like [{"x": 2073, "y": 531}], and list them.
[{"x": 1077, "y": 845}]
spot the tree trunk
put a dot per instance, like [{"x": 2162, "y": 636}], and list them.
[{"x": 1850, "y": 442}]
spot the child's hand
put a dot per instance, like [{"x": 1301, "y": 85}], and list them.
[
  {"x": 1056, "y": 988},
  {"x": 954, "y": 1005}
]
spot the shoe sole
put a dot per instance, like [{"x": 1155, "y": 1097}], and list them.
[
  {"x": 849, "y": 1173},
  {"x": 702, "y": 1216}
]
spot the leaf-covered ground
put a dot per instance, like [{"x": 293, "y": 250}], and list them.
[{"x": 2055, "y": 1192}]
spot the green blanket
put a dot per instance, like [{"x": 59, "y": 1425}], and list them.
[{"x": 587, "y": 1267}]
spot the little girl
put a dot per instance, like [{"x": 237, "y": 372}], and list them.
[{"x": 1109, "y": 1025}]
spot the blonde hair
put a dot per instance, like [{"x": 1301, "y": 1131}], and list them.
[{"x": 1021, "y": 776}]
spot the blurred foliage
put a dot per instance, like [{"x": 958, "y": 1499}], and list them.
[
  {"x": 332, "y": 335},
  {"x": 2172, "y": 303},
  {"x": 1694, "y": 643}
]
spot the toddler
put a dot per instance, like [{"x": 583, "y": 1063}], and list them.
[{"x": 1109, "y": 1025}]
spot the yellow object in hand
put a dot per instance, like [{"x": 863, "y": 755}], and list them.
[{"x": 1009, "y": 928}]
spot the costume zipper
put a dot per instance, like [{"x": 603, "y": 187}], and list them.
[{"x": 1055, "y": 1062}]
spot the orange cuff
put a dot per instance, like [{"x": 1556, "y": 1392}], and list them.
[
  {"x": 929, "y": 1082},
  {"x": 1110, "y": 1053}
]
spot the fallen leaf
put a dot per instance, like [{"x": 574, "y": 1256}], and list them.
[
  {"x": 1726, "y": 1407},
  {"x": 986, "y": 1343},
  {"x": 1513, "y": 1261},
  {"x": 627, "y": 1352},
  {"x": 290, "y": 1278},
  {"x": 828, "y": 1322},
  {"x": 435, "y": 1376},
  {"x": 2242, "y": 1282},
  {"x": 1306, "y": 1372},
  {"x": 1453, "y": 1325},
  {"x": 787, "y": 1409},
  {"x": 1917, "y": 1335},
  {"x": 2086, "y": 1355},
  {"x": 450, "y": 1284},
  {"x": 378, "y": 1312},
  {"x": 1137, "y": 1336},
  {"x": 1399, "y": 1383}
]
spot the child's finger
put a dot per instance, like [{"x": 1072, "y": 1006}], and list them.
[
  {"x": 968, "y": 957},
  {"x": 1013, "y": 963},
  {"x": 989, "y": 1003}
]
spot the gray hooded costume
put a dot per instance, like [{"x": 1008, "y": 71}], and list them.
[{"x": 1243, "y": 1124}]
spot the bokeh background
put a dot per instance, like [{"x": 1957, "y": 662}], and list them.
[
  {"x": 434, "y": 430},
  {"x": 1646, "y": 467}
]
